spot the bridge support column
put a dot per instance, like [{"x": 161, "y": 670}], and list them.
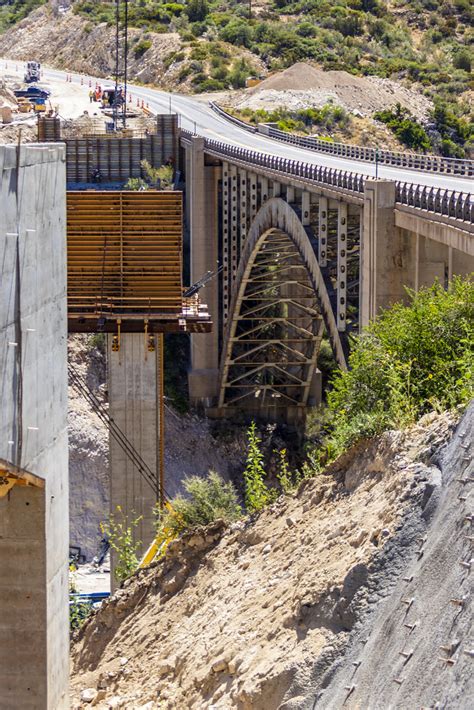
[
  {"x": 134, "y": 384},
  {"x": 387, "y": 253},
  {"x": 203, "y": 220}
]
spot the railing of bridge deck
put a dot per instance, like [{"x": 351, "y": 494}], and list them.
[
  {"x": 429, "y": 199},
  {"x": 412, "y": 161}
]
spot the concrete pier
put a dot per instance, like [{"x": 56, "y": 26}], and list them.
[
  {"x": 34, "y": 530},
  {"x": 134, "y": 391},
  {"x": 201, "y": 207}
]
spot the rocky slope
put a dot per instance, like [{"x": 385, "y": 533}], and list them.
[{"x": 307, "y": 605}]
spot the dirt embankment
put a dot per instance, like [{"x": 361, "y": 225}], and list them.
[
  {"x": 69, "y": 41},
  {"x": 263, "y": 615},
  {"x": 304, "y": 85}
]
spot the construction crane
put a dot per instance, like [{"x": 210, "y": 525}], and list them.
[
  {"x": 208, "y": 276},
  {"x": 119, "y": 104}
]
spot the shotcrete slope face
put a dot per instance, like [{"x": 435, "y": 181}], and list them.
[{"x": 273, "y": 613}]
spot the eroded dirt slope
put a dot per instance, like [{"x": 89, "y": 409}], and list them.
[{"x": 259, "y": 616}]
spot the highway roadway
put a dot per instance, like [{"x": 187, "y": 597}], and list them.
[{"x": 197, "y": 116}]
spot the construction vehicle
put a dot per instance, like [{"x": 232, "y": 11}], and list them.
[
  {"x": 33, "y": 72},
  {"x": 24, "y": 106},
  {"x": 32, "y": 93},
  {"x": 111, "y": 98},
  {"x": 39, "y": 105}
]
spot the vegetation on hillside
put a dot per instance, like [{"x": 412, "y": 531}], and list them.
[
  {"x": 410, "y": 360},
  {"x": 12, "y": 11},
  {"x": 428, "y": 42},
  {"x": 207, "y": 499},
  {"x": 424, "y": 41},
  {"x": 304, "y": 121}
]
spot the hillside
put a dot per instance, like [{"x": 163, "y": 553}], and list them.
[
  {"x": 208, "y": 45},
  {"x": 306, "y": 605}
]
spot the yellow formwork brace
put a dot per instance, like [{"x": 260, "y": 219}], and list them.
[
  {"x": 11, "y": 476},
  {"x": 160, "y": 543}
]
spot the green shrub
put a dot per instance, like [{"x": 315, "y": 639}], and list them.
[
  {"x": 160, "y": 178},
  {"x": 120, "y": 532},
  {"x": 207, "y": 499},
  {"x": 141, "y": 47},
  {"x": 405, "y": 127},
  {"x": 197, "y": 10},
  {"x": 97, "y": 340},
  {"x": 79, "y": 611},
  {"x": 257, "y": 494},
  {"x": 463, "y": 60},
  {"x": 410, "y": 360},
  {"x": 136, "y": 184}
]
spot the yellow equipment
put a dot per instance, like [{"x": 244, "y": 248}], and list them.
[{"x": 160, "y": 543}]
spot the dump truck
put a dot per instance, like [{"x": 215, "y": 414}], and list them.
[{"x": 33, "y": 72}]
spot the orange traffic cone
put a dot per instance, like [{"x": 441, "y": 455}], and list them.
[
  {"x": 143, "y": 104},
  {"x": 138, "y": 102}
]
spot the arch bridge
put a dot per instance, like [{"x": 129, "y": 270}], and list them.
[{"x": 306, "y": 253}]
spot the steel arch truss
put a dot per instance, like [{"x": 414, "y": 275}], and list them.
[{"x": 279, "y": 310}]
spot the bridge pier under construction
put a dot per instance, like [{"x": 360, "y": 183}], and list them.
[
  {"x": 136, "y": 439},
  {"x": 125, "y": 280}
]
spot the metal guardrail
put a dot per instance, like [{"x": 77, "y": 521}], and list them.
[
  {"x": 328, "y": 176},
  {"x": 433, "y": 200},
  {"x": 411, "y": 161}
]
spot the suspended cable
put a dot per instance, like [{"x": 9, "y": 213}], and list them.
[{"x": 151, "y": 477}]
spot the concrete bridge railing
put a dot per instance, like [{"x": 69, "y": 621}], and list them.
[
  {"x": 438, "y": 201},
  {"x": 412, "y": 161}
]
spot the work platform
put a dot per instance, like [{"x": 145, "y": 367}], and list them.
[{"x": 125, "y": 264}]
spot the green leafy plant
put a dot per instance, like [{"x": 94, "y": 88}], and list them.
[
  {"x": 405, "y": 127},
  {"x": 136, "y": 184},
  {"x": 161, "y": 177},
  {"x": 96, "y": 341},
  {"x": 257, "y": 494},
  {"x": 411, "y": 359},
  {"x": 207, "y": 499},
  {"x": 120, "y": 530}
]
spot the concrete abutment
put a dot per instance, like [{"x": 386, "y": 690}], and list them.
[{"x": 34, "y": 526}]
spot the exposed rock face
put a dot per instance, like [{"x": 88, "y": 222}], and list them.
[
  {"x": 88, "y": 450},
  {"x": 271, "y": 612}
]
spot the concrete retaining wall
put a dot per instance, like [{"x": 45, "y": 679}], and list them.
[{"x": 34, "y": 535}]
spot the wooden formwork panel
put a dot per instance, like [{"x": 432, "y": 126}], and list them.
[
  {"x": 124, "y": 253},
  {"x": 49, "y": 129}
]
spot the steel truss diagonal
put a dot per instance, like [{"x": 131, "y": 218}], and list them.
[{"x": 276, "y": 331}]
